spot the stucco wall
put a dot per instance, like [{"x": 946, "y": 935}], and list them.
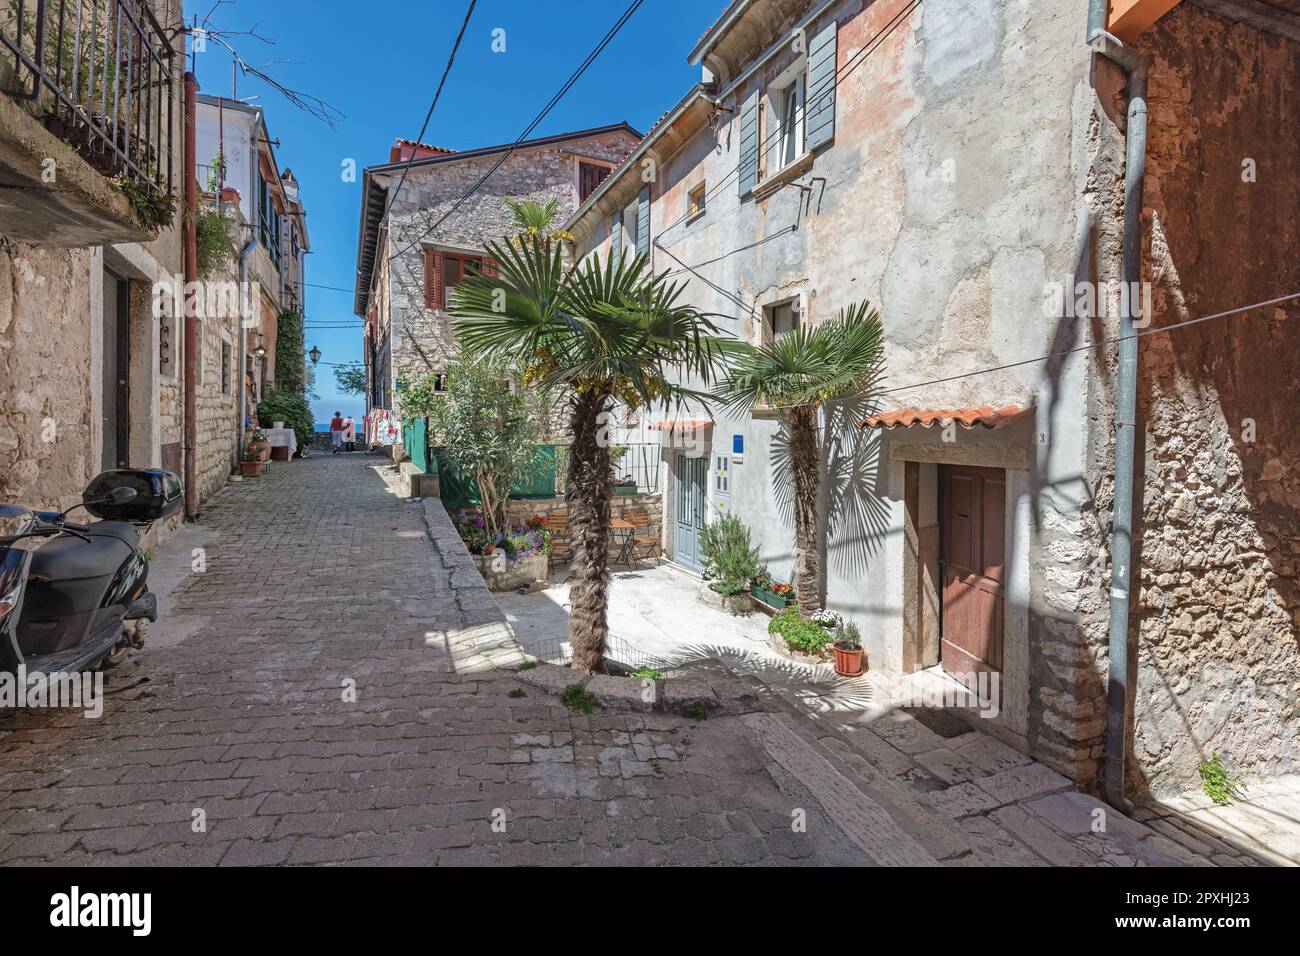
[{"x": 1218, "y": 662}]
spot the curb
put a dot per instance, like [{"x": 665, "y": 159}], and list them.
[{"x": 690, "y": 694}]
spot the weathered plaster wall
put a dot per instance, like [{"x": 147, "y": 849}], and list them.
[
  {"x": 421, "y": 338},
  {"x": 46, "y": 375},
  {"x": 1219, "y": 663}
]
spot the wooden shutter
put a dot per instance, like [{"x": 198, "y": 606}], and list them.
[
  {"x": 590, "y": 176},
  {"x": 433, "y": 293},
  {"x": 616, "y": 236},
  {"x": 749, "y": 144},
  {"x": 820, "y": 95},
  {"x": 490, "y": 267},
  {"x": 643, "y": 221}
]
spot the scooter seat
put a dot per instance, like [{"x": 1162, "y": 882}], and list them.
[{"x": 69, "y": 558}]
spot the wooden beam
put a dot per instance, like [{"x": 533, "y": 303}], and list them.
[{"x": 1128, "y": 18}]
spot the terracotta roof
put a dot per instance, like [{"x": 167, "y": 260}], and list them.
[
  {"x": 968, "y": 417},
  {"x": 682, "y": 424}
]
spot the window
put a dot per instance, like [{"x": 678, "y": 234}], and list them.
[
  {"x": 695, "y": 202},
  {"x": 443, "y": 271},
  {"x": 722, "y": 474},
  {"x": 782, "y": 318},
  {"x": 226, "y": 353},
  {"x": 590, "y": 176},
  {"x": 787, "y": 98}
]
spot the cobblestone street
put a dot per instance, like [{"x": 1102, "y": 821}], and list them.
[
  {"x": 336, "y": 685},
  {"x": 316, "y": 575}
]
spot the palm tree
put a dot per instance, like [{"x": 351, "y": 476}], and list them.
[
  {"x": 598, "y": 335},
  {"x": 534, "y": 220},
  {"x": 796, "y": 374}
]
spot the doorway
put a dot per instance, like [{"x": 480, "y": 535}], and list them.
[
  {"x": 689, "y": 511},
  {"x": 972, "y": 565},
  {"x": 116, "y": 384}
]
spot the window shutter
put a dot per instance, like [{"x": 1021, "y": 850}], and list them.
[
  {"x": 490, "y": 267},
  {"x": 433, "y": 293},
  {"x": 616, "y": 236},
  {"x": 749, "y": 144},
  {"x": 820, "y": 97},
  {"x": 643, "y": 221}
]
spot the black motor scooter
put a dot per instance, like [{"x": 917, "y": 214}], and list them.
[{"x": 81, "y": 600}]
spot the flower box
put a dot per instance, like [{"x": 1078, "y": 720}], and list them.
[
  {"x": 768, "y": 597},
  {"x": 505, "y": 574}
]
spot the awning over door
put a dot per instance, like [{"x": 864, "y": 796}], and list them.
[{"x": 988, "y": 416}]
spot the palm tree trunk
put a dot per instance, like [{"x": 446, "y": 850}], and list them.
[
  {"x": 804, "y": 466},
  {"x": 588, "y": 497}
]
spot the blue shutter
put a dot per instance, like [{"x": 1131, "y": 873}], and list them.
[
  {"x": 643, "y": 221},
  {"x": 820, "y": 95},
  {"x": 749, "y": 144},
  {"x": 616, "y": 236}
]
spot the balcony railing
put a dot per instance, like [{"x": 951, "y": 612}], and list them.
[{"x": 102, "y": 73}]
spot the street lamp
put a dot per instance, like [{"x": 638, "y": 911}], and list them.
[
  {"x": 314, "y": 354},
  {"x": 260, "y": 350}
]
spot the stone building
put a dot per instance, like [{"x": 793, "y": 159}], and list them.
[
  {"x": 87, "y": 370},
  {"x": 415, "y": 244},
  {"x": 960, "y": 164}
]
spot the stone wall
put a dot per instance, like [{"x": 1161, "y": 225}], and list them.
[
  {"x": 1218, "y": 652},
  {"x": 47, "y": 444},
  {"x": 421, "y": 338},
  {"x": 651, "y": 503}
]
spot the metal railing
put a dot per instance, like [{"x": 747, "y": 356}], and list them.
[
  {"x": 108, "y": 71},
  {"x": 640, "y": 464}
]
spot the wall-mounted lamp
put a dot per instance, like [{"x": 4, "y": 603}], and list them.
[{"x": 260, "y": 350}]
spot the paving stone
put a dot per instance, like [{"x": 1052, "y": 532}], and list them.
[
  {"x": 1018, "y": 783},
  {"x": 624, "y": 692}
]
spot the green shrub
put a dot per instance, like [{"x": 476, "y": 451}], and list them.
[
  {"x": 1218, "y": 784},
  {"x": 848, "y": 637},
  {"x": 647, "y": 673},
  {"x": 577, "y": 699},
  {"x": 799, "y": 634},
  {"x": 729, "y": 558},
  {"x": 213, "y": 242},
  {"x": 290, "y": 408}
]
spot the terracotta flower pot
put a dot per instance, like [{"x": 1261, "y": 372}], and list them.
[
  {"x": 250, "y": 468},
  {"x": 848, "y": 663}
]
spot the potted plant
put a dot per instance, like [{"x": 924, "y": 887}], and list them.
[
  {"x": 259, "y": 444},
  {"x": 848, "y": 650},
  {"x": 625, "y": 486},
  {"x": 730, "y": 561},
  {"x": 250, "y": 464}
]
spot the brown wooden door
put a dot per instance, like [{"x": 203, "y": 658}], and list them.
[{"x": 973, "y": 503}]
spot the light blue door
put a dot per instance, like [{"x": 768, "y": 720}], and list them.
[{"x": 690, "y": 511}]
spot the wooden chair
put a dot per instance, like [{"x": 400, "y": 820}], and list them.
[
  {"x": 644, "y": 543},
  {"x": 557, "y": 523}
]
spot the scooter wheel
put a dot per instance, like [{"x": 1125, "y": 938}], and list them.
[{"x": 117, "y": 655}]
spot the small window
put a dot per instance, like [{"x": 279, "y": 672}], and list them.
[
  {"x": 454, "y": 269},
  {"x": 226, "y": 364},
  {"x": 722, "y": 474},
  {"x": 783, "y": 318},
  {"x": 590, "y": 176},
  {"x": 786, "y": 99},
  {"x": 440, "y": 382},
  {"x": 695, "y": 202}
]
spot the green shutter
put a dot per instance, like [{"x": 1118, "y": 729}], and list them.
[
  {"x": 749, "y": 144},
  {"x": 820, "y": 95},
  {"x": 643, "y": 221}
]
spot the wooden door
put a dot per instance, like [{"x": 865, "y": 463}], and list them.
[{"x": 972, "y": 554}]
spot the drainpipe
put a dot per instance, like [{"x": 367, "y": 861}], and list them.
[
  {"x": 1121, "y": 555},
  {"x": 191, "y": 197},
  {"x": 245, "y": 313}
]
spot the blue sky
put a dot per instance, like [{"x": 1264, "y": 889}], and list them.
[{"x": 378, "y": 64}]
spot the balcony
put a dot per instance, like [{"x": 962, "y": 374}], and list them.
[{"x": 86, "y": 125}]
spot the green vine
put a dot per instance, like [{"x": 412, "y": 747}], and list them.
[{"x": 290, "y": 364}]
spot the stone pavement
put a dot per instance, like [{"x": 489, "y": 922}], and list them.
[
  {"x": 231, "y": 738},
  {"x": 335, "y": 685}
]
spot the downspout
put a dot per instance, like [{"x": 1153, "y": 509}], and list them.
[
  {"x": 245, "y": 315},
  {"x": 191, "y": 198},
  {"x": 1121, "y": 555}
]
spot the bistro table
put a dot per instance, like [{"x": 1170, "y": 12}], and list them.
[
  {"x": 624, "y": 535},
  {"x": 282, "y": 438}
]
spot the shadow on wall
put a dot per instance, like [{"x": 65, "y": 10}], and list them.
[{"x": 852, "y": 516}]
